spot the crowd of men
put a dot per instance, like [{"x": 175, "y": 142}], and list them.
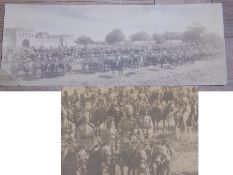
[
  {"x": 120, "y": 102},
  {"x": 110, "y": 118},
  {"x": 106, "y": 57}
]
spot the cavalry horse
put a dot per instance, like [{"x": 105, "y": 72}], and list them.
[
  {"x": 117, "y": 65},
  {"x": 99, "y": 162},
  {"x": 74, "y": 161},
  {"x": 101, "y": 114},
  {"x": 20, "y": 67},
  {"x": 157, "y": 114},
  {"x": 133, "y": 157}
]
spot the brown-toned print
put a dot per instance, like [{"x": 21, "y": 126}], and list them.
[{"x": 129, "y": 130}]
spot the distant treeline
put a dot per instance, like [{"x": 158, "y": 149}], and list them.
[{"x": 195, "y": 33}]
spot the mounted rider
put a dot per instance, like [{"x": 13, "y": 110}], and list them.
[
  {"x": 147, "y": 126},
  {"x": 127, "y": 123},
  {"x": 162, "y": 153},
  {"x": 100, "y": 156}
]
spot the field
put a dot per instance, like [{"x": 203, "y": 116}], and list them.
[{"x": 186, "y": 162}]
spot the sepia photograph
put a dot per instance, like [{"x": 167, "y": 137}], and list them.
[
  {"x": 111, "y": 45},
  {"x": 129, "y": 130}
]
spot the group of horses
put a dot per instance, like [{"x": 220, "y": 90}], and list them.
[
  {"x": 40, "y": 69},
  {"x": 44, "y": 62},
  {"x": 136, "y": 157},
  {"x": 136, "y": 58},
  {"x": 159, "y": 106},
  {"x": 139, "y": 159}
]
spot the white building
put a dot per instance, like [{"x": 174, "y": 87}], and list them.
[{"x": 16, "y": 38}]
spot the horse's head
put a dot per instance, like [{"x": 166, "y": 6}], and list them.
[
  {"x": 106, "y": 154},
  {"x": 142, "y": 159},
  {"x": 82, "y": 157}
]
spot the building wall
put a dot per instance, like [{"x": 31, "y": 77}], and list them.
[
  {"x": 24, "y": 35},
  {"x": 15, "y": 40}
]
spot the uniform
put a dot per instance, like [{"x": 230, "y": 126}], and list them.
[
  {"x": 147, "y": 126},
  {"x": 161, "y": 150}
]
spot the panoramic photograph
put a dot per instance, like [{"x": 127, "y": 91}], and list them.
[
  {"x": 129, "y": 130},
  {"x": 90, "y": 45}
]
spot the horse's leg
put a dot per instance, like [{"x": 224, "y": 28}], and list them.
[
  {"x": 157, "y": 124},
  {"x": 164, "y": 123},
  {"x": 96, "y": 127},
  {"x": 122, "y": 169},
  {"x": 102, "y": 171},
  {"x": 133, "y": 171},
  {"x": 112, "y": 169},
  {"x": 129, "y": 171},
  {"x": 154, "y": 125},
  {"x": 185, "y": 125}
]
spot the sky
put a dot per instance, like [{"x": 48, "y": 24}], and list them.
[{"x": 97, "y": 21}]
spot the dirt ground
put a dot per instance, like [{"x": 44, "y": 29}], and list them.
[
  {"x": 201, "y": 73},
  {"x": 186, "y": 161}
]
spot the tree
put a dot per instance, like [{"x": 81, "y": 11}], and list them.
[
  {"x": 84, "y": 40},
  {"x": 172, "y": 35},
  {"x": 193, "y": 33},
  {"x": 140, "y": 36},
  {"x": 115, "y": 36},
  {"x": 42, "y": 35},
  {"x": 158, "y": 38},
  {"x": 213, "y": 39}
]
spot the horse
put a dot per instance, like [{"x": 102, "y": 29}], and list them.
[
  {"x": 165, "y": 59},
  {"x": 117, "y": 66},
  {"x": 51, "y": 68},
  {"x": 115, "y": 113},
  {"x": 60, "y": 68},
  {"x": 68, "y": 162},
  {"x": 82, "y": 158},
  {"x": 133, "y": 157},
  {"x": 68, "y": 67},
  {"x": 74, "y": 161},
  {"x": 68, "y": 127},
  {"x": 161, "y": 157},
  {"x": 22, "y": 67},
  {"x": 184, "y": 118},
  {"x": 157, "y": 114},
  {"x": 35, "y": 68},
  {"x": 43, "y": 68},
  {"x": 99, "y": 161},
  {"x": 99, "y": 116}
]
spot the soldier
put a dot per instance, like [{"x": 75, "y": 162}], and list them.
[
  {"x": 138, "y": 135},
  {"x": 100, "y": 156},
  {"x": 65, "y": 99},
  {"x": 147, "y": 126},
  {"x": 160, "y": 154},
  {"x": 82, "y": 158},
  {"x": 127, "y": 123}
]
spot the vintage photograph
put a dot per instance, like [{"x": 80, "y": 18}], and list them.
[
  {"x": 129, "y": 130},
  {"x": 113, "y": 45}
]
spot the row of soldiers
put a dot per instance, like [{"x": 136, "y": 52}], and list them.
[
  {"x": 91, "y": 96},
  {"x": 125, "y": 106},
  {"x": 175, "y": 51}
]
